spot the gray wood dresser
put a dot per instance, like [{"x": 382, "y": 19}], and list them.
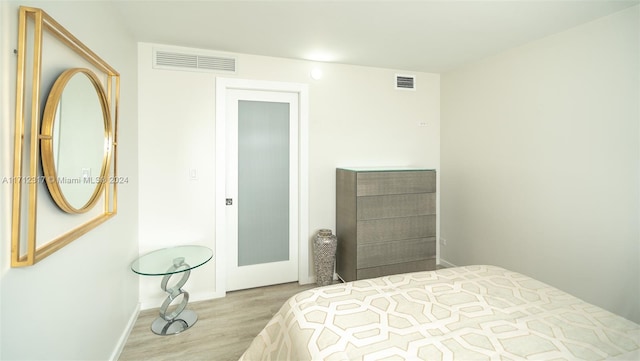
[{"x": 385, "y": 221}]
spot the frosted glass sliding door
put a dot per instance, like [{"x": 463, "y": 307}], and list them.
[
  {"x": 263, "y": 182},
  {"x": 261, "y": 188}
]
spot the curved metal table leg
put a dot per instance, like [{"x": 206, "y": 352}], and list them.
[{"x": 179, "y": 319}]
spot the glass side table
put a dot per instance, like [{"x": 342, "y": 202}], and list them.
[{"x": 167, "y": 262}]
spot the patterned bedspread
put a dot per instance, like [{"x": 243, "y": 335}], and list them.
[{"x": 463, "y": 313}]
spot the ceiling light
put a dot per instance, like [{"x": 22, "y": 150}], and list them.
[{"x": 316, "y": 73}]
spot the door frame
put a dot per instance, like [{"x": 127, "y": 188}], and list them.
[{"x": 302, "y": 90}]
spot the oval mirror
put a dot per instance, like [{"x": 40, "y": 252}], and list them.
[{"x": 76, "y": 140}]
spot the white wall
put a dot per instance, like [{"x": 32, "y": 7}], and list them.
[
  {"x": 77, "y": 303},
  {"x": 356, "y": 117},
  {"x": 540, "y": 162}
]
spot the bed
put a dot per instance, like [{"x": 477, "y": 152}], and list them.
[{"x": 462, "y": 313}]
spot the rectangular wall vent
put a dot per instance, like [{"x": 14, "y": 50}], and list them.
[
  {"x": 406, "y": 82},
  {"x": 195, "y": 62}
]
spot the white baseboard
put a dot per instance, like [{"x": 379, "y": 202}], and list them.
[
  {"x": 444, "y": 263},
  {"x": 204, "y": 296},
  {"x": 308, "y": 280},
  {"x": 125, "y": 334}
]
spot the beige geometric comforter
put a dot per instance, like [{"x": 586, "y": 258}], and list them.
[{"x": 463, "y": 313}]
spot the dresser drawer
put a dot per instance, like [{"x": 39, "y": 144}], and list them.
[
  {"x": 377, "y": 183},
  {"x": 415, "y": 266},
  {"x": 396, "y": 205},
  {"x": 385, "y": 253},
  {"x": 393, "y": 229}
]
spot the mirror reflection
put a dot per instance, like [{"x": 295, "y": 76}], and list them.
[{"x": 75, "y": 156}]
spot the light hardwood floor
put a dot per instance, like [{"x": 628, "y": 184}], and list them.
[{"x": 225, "y": 327}]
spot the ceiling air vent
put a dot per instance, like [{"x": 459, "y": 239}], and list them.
[
  {"x": 406, "y": 82},
  {"x": 195, "y": 62}
]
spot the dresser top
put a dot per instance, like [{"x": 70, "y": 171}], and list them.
[{"x": 385, "y": 169}]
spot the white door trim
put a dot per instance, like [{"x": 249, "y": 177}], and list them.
[{"x": 222, "y": 85}]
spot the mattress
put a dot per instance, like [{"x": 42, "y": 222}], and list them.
[{"x": 462, "y": 313}]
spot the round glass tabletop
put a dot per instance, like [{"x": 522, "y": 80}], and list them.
[{"x": 165, "y": 261}]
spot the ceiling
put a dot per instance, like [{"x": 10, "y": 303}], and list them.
[{"x": 428, "y": 35}]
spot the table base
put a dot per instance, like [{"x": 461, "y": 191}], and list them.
[{"x": 163, "y": 327}]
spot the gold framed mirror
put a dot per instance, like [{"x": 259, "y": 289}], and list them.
[
  {"x": 39, "y": 145},
  {"x": 76, "y": 140}
]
